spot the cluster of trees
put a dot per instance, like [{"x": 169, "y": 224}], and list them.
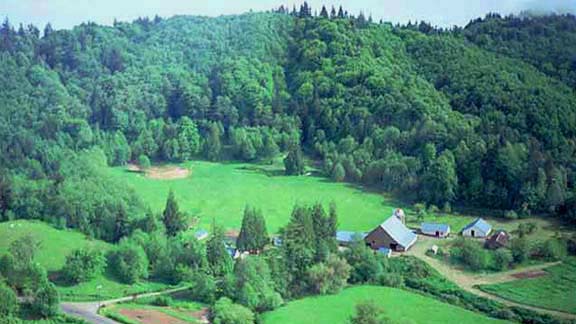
[
  {"x": 472, "y": 254},
  {"x": 20, "y": 272}
]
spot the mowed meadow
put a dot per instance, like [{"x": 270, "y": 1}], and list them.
[
  {"x": 398, "y": 305},
  {"x": 221, "y": 191}
]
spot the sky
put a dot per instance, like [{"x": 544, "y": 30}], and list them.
[{"x": 64, "y": 14}]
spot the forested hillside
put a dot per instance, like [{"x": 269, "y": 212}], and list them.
[
  {"x": 547, "y": 42},
  {"x": 430, "y": 116}
]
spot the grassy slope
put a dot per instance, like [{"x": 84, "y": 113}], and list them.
[
  {"x": 399, "y": 305},
  {"x": 557, "y": 290},
  {"x": 223, "y": 190},
  {"x": 55, "y": 245}
]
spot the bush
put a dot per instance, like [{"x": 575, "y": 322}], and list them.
[
  {"x": 225, "y": 311},
  {"x": 162, "y": 301},
  {"x": 83, "y": 265},
  {"x": 129, "y": 262},
  {"x": 203, "y": 288},
  {"x": 470, "y": 254},
  {"x": 391, "y": 280},
  {"x": 46, "y": 300},
  {"x": 553, "y": 249},
  {"x": 511, "y": 215},
  {"x": 8, "y": 301},
  {"x": 144, "y": 162},
  {"x": 502, "y": 259},
  {"x": 520, "y": 250}
]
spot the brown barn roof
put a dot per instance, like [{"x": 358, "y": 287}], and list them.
[{"x": 499, "y": 239}]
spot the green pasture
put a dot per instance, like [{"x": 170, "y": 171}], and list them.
[
  {"x": 556, "y": 290},
  {"x": 398, "y": 305},
  {"x": 221, "y": 191}
]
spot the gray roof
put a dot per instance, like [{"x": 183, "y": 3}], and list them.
[
  {"x": 434, "y": 227},
  {"x": 398, "y": 231},
  {"x": 347, "y": 236},
  {"x": 480, "y": 224}
]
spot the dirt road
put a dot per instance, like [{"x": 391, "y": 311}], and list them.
[{"x": 468, "y": 281}]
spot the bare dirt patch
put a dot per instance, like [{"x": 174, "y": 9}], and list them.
[
  {"x": 529, "y": 274},
  {"x": 168, "y": 172},
  {"x": 148, "y": 316},
  {"x": 201, "y": 315}
]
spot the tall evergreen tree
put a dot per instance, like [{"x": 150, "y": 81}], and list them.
[
  {"x": 294, "y": 162},
  {"x": 324, "y": 12},
  {"x": 219, "y": 260},
  {"x": 173, "y": 219}
]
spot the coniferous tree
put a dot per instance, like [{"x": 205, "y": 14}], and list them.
[
  {"x": 341, "y": 13},
  {"x": 294, "y": 162},
  {"x": 219, "y": 260},
  {"x": 332, "y": 13},
  {"x": 173, "y": 219},
  {"x": 324, "y": 12}
]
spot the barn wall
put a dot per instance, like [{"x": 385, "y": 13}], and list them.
[{"x": 380, "y": 239}]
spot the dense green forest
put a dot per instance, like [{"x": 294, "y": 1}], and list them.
[{"x": 478, "y": 117}]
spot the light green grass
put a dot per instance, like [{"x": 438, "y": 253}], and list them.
[
  {"x": 399, "y": 305},
  {"x": 55, "y": 244},
  {"x": 223, "y": 190},
  {"x": 105, "y": 286},
  {"x": 557, "y": 290}
]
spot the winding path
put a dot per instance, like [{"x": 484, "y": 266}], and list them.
[
  {"x": 89, "y": 310},
  {"x": 469, "y": 281}
]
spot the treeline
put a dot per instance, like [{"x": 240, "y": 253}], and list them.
[{"x": 410, "y": 109}]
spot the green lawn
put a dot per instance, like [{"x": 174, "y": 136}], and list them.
[
  {"x": 223, "y": 190},
  {"x": 55, "y": 244},
  {"x": 399, "y": 305},
  {"x": 557, "y": 290}
]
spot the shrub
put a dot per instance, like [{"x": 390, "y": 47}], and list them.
[
  {"x": 391, "y": 280},
  {"x": 520, "y": 250},
  {"x": 470, "y": 254},
  {"x": 225, "y": 311},
  {"x": 9, "y": 301},
  {"x": 83, "y": 265},
  {"x": 144, "y": 162},
  {"x": 553, "y": 249},
  {"x": 511, "y": 215},
  {"x": 46, "y": 300},
  {"x": 162, "y": 301},
  {"x": 502, "y": 259},
  {"x": 129, "y": 262}
]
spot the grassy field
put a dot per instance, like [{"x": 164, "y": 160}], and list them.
[
  {"x": 399, "y": 305},
  {"x": 556, "y": 290},
  {"x": 223, "y": 190},
  {"x": 55, "y": 245},
  {"x": 185, "y": 311}
]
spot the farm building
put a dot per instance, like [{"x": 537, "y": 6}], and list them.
[
  {"x": 345, "y": 238},
  {"x": 478, "y": 228},
  {"x": 499, "y": 239},
  {"x": 391, "y": 234},
  {"x": 434, "y": 229}
]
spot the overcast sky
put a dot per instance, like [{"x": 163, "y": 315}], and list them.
[{"x": 67, "y": 13}]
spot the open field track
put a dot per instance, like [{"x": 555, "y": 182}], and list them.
[{"x": 470, "y": 281}]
